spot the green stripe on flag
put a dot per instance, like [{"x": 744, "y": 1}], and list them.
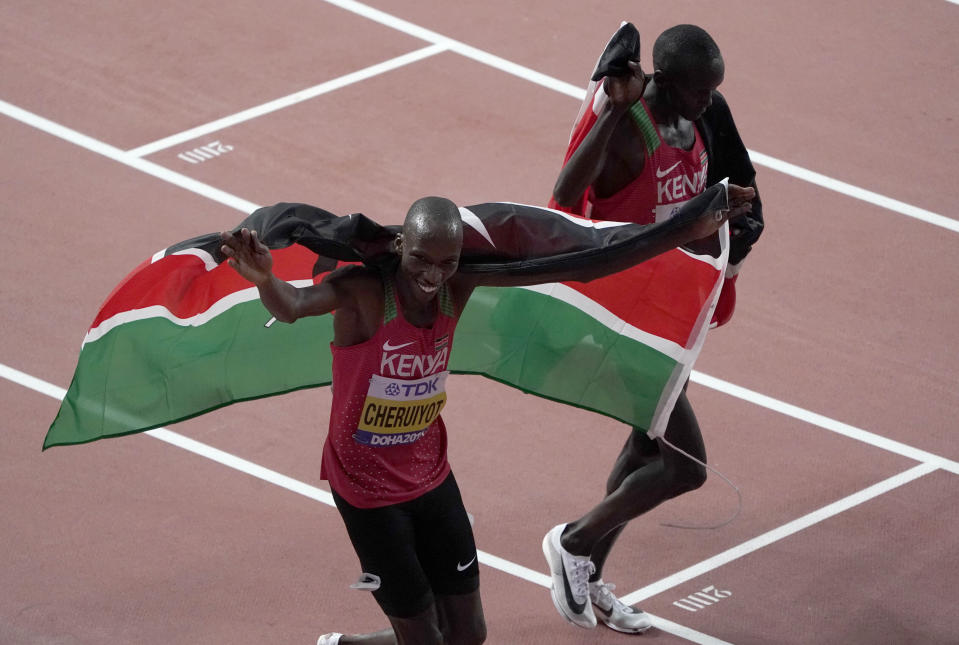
[
  {"x": 152, "y": 372},
  {"x": 550, "y": 348}
]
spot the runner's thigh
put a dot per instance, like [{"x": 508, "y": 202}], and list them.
[
  {"x": 445, "y": 542},
  {"x": 384, "y": 540}
]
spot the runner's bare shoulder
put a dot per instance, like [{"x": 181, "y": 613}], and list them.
[{"x": 357, "y": 280}]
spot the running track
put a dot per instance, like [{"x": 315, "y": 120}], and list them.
[{"x": 830, "y": 401}]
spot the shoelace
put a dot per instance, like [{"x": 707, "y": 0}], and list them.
[
  {"x": 605, "y": 593},
  {"x": 582, "y": 570}
]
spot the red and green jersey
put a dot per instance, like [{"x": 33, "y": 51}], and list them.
[
  {"x": 670, "y": 177},
  {"x": 387, "y": 440}
]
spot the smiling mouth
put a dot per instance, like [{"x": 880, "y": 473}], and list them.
[{"x": 427, "y": 287}]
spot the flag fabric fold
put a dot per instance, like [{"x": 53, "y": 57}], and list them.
[{"x": 184, "y": 334}]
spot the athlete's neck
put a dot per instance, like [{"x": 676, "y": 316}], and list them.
[
  {"x": 661, "y": 109},
  {"x": 675, "y": 130}
]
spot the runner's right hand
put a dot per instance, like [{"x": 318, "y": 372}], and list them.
[
  {"x": 248, "y": 255},
  {"x": 740, "y": 203},
  {"x": 625, "y": 90}
]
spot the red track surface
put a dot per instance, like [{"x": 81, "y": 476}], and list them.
[{"x": 847, "y": 309}]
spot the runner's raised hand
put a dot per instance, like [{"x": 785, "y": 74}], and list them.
[
  {"x": 625, "y": 90},
  {"x": 248, "y": 255}
]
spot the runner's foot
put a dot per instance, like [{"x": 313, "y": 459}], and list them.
[
  {"x": 570, "y": 587},
  {"x": 614, "y": 612}
]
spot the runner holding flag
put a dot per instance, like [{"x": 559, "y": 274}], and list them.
[
  {"x": 642, "y": 146},
  {"x": 385, "y": 456},
  {"x": 184, "y": 333}
]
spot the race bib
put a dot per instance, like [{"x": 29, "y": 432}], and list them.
[
  {"x": 399, "y": 411},
  {"x": 665, "y": 212}
]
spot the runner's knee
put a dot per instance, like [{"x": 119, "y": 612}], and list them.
[
  {"x": 461, "y": 618},
  {"x": 471, "y": 631},
  {"x": 638, "y": 451},
  {"x": 687, "y": 478},
  {"x": 471, "y": 634}
]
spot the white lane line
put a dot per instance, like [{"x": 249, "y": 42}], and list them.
[
  {"x": 253, "y": 469},
  {"x": 148, "y": 167},
  {"x": 562, "y": 87},
  {"x": 684, "y": 632},
  {"x": 245, "y": 206},
  {"x": 478, "y": 55},
  {"x": 855, "y": 192},
  {"x": 777, "y": 534},
  {"x": 287, "y": 101},
  {"x": 244, "y": 466},
  {"x": 318, "y": 494},
  {"x": 32, "y": 382},
  {"x": 824, "y": 422},
  {"x": 579, "y": 93}
]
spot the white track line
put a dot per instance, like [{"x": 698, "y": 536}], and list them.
[
  {"x": 824, "y": 422},
  {"x": 576, "y": 92},
  {"x": 777, "y": 534},
  {"x": 440, "y": 43},
  {"x": 468, "y": 51},
  {"x": 854, "y": 191},
  {"x": 506, "y": 566},
  {"x": 318, "y": 494},
  {"x": 684, "y": 632},
  {"x": 289, "y": 100},
  {"x": 245, "y": 206},
  {"x": 125, "y": 158}
]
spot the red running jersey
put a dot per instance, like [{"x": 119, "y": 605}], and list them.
[
  {"x": 670, "y": 177},
  {"x": 387, "y": 440},
  {"x": 638, "y": 202}
]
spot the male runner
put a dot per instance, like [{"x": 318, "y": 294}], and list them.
[
  {"x": 650, "y": 144},
  {"x": 386, "y": 453}
]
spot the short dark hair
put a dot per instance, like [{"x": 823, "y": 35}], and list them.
[
  {"x": 429, "y": 216},
  {"x": 684, "y": 48}
]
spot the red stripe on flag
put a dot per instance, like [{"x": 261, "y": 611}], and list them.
[
  {"x": 182, "y": 284},
  {"x": 662, "y": 296}
]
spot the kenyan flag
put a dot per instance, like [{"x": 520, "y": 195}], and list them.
[{"x": 183, "y": 334}]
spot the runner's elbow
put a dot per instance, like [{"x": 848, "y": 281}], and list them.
[{"x": 563, "y": 197}]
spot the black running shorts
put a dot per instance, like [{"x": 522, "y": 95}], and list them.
[{"x": 419, "y": 549}]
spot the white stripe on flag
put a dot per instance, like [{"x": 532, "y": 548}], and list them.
[
  {"x": 608, "y": 319},
  {"x": 159, "y": 311}
]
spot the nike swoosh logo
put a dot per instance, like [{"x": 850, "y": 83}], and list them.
[
  {"x": 662, "y": 173},
  {"x": 578, "y": 607},
  {"x": 389, "y": 348},
  {"x": 464, "y": 567}
]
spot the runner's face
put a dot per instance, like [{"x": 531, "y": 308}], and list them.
[
  {"x": 692, "y": 92},
  {"x": 427, "y": 261}
]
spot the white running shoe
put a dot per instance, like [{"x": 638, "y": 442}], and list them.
[
  {"x": 614, "y": 612},
  {"x": 570, "y": 588},
  {"x": 332, "y": 638}
]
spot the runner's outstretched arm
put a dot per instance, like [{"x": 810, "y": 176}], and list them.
[{"x": 705, "y": 225}]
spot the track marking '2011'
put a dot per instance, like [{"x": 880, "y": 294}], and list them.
[
  {"x": 206, "y": 152},
  {"x": 701, "y": 599}
]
